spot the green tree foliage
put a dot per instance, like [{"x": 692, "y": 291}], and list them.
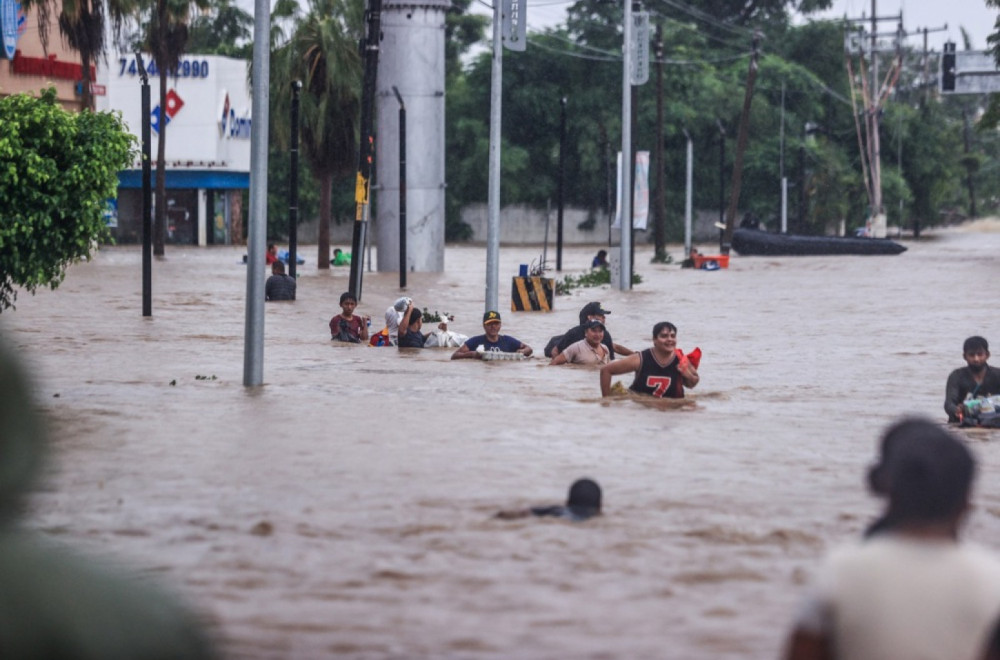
[
  {"x": 322, "y": 53},
  {"x": 224, "y": 30},
  {"x": 57, "y": 171},
  {"x": 802, "y": 82},
  {"x": 84, "y": 26}
]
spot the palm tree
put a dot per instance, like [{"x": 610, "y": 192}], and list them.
[
  {"x": 166, "y": 38},
  {"x": 322, "y": 52},
  {"x": 82, "y": 23}
]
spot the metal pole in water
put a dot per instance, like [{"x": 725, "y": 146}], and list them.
[{"x": 253, "y": 341}]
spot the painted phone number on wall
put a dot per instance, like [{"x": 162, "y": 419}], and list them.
[{"x": 185, "y": 69}]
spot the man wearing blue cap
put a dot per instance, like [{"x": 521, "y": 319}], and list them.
[{"x": 491, "y": 341}]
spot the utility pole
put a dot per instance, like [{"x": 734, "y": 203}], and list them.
[
  {"x": 562, "y": 184},
  {"x": 147, "y": 199},
  {"x": 781, "y": 167},
  {"x": 741, "y": 145},
  {"x": 659, "y": 229},
  {"x": 293, "y": 182},
  {"x": 624, "y": 262},
  {"x": 402, "y": 187},
  {"x": 722, "y": 179},
  {"x": 366, "y": 151}
]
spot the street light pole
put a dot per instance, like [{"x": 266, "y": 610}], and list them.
[
  {"x": 293, "y": 183},
  {"x": 562, "y": 182},
  {"x": 147, "y": 196},
  {"x": 402, "y": 187}
]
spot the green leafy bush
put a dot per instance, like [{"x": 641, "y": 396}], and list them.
[
  {"x": 57, "y": 171},
  {"x": 595, "y": 277}
]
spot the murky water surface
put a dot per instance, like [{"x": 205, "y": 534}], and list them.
[{"x": 343, "y": 509}]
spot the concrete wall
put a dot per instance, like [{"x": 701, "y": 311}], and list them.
[{"x": 523, "y": 225}]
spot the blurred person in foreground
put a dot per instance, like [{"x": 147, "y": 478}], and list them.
[
  {"x": 910, "y": 588},
  {"x": 55, "y": 604}
]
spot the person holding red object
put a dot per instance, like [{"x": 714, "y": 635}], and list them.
[{"x": 660, "y": 371}]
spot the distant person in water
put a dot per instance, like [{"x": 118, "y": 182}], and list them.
[
  {"x": 272, "y": 254},
  {"x": 583, "y": 503},
  {"x": 659, "y": 370},
  {"x": 600, "y": 260},
  {"x": 975, "y": 379},
  {"x": 340, "y": 258},
  {"x": 910, "y": 588},
  {"x": 279, "y": 286}
]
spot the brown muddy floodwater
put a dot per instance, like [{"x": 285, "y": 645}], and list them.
[{"x": 343, "y": 509}]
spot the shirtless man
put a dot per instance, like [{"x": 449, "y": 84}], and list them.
[{"x": 658, "y": 370}]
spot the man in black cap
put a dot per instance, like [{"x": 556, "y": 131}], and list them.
[
  {"x": 491, "y": 341},
  {"x": 590, "y": 312}
]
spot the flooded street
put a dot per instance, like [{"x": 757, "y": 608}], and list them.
[{"x": 344, "y": 508}]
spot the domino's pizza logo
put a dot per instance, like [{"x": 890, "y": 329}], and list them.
[
  {"x": 223, "y": 115},
  {"x": 174, "y": 103}
]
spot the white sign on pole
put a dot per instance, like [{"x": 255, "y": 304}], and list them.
[
  {"x": 514, "y": 25},
  {"x": 618, "y": 195},
  {"x": 640, "y": 192},
  {"x": 639, "y": 47},
  {"x": 640, "y": 198}
]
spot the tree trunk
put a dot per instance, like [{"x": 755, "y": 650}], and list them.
[
  {"x": 160, "y": 221},
  {"x": 325, "y": 205}
]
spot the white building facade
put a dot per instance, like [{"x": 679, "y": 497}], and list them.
[{"x": 208, "y": 123}]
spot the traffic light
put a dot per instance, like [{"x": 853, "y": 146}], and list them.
[{"x": 948, "y": 68}]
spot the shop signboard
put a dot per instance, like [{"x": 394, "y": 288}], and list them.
[{"x": 206, "y": 115}]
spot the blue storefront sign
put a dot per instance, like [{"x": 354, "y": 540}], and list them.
[{"x": 11, "y": 26}]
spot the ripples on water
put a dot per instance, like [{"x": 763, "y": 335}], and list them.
[{"x": 344, "y": 508}]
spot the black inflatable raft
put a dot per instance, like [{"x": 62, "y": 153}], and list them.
[{"x": 753, "y": 242}]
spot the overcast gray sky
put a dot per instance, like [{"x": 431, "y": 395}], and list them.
[{"x": 973, "y": 15}]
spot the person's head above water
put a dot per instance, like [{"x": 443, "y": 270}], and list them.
[
  {"x": 926, "y": 474},
  {"x": 584, "y": 498}
]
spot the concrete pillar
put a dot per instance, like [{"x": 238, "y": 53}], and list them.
[{"x": 411, "y": 58}]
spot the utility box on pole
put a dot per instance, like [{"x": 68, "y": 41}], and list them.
[{"x": 968, "y": 71}]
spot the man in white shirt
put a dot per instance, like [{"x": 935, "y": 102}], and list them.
[{"x": 910, "y": 589}]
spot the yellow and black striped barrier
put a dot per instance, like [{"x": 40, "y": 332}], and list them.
[{"x": 532, "y": 294}]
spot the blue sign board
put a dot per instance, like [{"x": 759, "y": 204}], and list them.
[{"x": 11, "y": 26}]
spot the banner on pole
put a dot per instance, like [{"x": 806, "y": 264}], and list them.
[
  {"x": 618, "y": 194},
  {"x": 639, "y": 48},
  {"x": 640, "y": 196},
  {"x": 514, "y": 26},
  {"x": 640, "y": 192}
]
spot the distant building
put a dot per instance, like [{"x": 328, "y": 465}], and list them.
[
  {"x": 26, "y": 67},
  {"x": 207, "y": 149}
]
